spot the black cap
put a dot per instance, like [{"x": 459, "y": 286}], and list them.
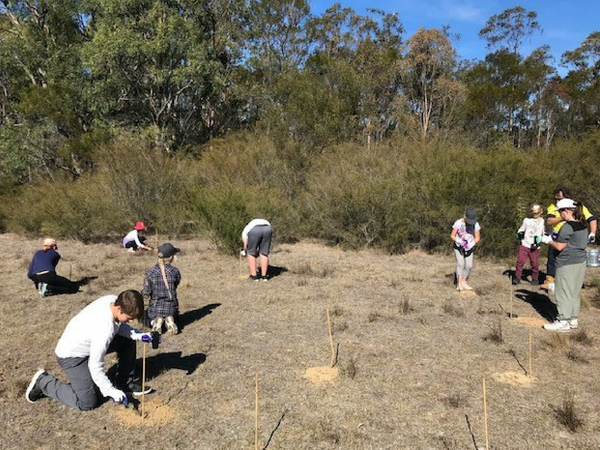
[
  {"x": 471, "y": 216},
  {"x": 166, "y": 250}
]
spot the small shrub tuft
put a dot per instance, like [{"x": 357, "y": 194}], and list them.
[{"x": 567, "y": 414}]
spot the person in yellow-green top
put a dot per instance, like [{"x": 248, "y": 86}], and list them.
[{"x": 555, "y": 222}]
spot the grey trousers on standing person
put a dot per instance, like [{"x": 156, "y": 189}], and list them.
[
  {"x": 81, "y": 393},
  {"x": 567, "y": 288},
  {"x": 463, "y": 265}
]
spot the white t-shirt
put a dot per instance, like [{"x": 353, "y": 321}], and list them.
[
  {"x": 532, "y": 228},
  {"x": 461, "y": 232},
  {"x": 90, "y": 333},
  {"x": 252, "y": 224}
]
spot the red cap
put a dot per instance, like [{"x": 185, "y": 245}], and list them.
[{"x": 139, "y": 225}]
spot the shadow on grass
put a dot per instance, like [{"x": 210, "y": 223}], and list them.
[
  {"x": 192, "y": 316},
  {"x": 163, "y": 362},
  {"x": 275, "y": 271},
  {"x": 540, "y": 302},
  {"x": 526, "y": 275}
]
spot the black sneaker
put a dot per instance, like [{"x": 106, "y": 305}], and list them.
[
  {"x": 254, "y": 278},
  {"x": 516, "y": 281},
  {"x": 535, "y": 282},
  {"x": 264, "y": 278},
  {"x": 134, "y": 388},
  {"x": 34, "y": 392}
]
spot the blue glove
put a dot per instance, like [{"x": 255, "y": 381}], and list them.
[
  {"x": 144, "y": 337},
  {"x": 119, "y": 396}
]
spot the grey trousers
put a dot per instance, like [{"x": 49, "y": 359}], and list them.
[
  {"x": 463, "y": 265},
  {"x": 567, "y": 288},
  {"x": 81, "y": 392}
]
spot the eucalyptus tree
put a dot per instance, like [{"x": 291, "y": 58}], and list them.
[
  {"x": 163, "y": 66},
  {"x": 501, "y": 87},
  {"x": 43, "y": 115},
  {"x": 582, "y": 84},
  {"x": 429, "y": 81}
]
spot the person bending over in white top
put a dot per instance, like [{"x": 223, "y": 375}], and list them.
[
  {"x": 100, "y": 328},
  {"x": 256, "y": 237}
]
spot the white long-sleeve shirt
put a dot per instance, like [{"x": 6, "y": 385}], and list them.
[
  {"x": 252, "y": 224},
  {"x": 531, "y": 227},
  {"x": 90, "y": 333},
  {"x": 132, "y": 236}
]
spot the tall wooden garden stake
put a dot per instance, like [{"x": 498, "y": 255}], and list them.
[
  {"x": 156, "y": 236},
  {"x": 70, "y": 271},
  {"x": 511, "y": 301},
  {"x": 330, "y": 339},
  {"x": 530, "y": 370},
  {"x": 485, "y": 424},
  {"x": 256, "y": 414},
  {"x": 143, "y": 378}
]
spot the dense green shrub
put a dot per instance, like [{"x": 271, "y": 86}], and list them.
[
  {"x": 79, "y": 210},
  {"x": 400, "y": 195}
]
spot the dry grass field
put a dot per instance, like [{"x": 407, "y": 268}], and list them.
[{"x": 412, "y": 354}]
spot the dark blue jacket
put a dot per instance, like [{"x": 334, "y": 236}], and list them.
[{"x": 43, "y": 261}]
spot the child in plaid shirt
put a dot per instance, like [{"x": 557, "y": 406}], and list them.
[{"x": 160, "y": 287}]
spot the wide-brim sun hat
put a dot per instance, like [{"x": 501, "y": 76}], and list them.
[
  {"x": 139, "y": 225},
  {"x": 565, "y": 203}
]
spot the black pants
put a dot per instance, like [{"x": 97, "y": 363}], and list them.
[
  {"x": 56, "y": 283},
  {"x": 133, "y": 245}
]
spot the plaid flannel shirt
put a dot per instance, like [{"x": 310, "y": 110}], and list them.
[{"x": 160, "y": 305}]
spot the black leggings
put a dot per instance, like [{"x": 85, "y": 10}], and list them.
[
  {"x": 56, "y": 283},
  {"x": 133, "y": 245}
]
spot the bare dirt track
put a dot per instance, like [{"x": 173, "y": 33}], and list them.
[{"x": 411, "y": 354}]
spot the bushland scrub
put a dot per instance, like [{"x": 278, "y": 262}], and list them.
[{"x": 398, "y": 195}]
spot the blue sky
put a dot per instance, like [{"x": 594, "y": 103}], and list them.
[{"x": 565, "y": 23}]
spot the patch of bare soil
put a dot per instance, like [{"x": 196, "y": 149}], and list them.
[
  {"x": 320, "y": 375},
  {"x": 514, "y": 379},
  {"x": 531, "y": 322},
  {"x": 155, "y": 413}
]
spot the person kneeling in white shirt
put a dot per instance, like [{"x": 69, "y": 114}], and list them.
[{"x": 100, "y": 328}]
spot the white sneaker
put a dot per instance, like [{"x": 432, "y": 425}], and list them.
[
  {"x": 573, "y": 323},
  {"x": 42, "y": 289},
  {"x": 558, "y": 325},
  {"x": 171, "y": 326},
  {"x": 157, "y": 324},
  {"x": 551, "y": 287},
  {"x": 466, "y": 287}
]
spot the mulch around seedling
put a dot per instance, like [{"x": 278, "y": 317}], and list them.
[
  {"x": 320, "y": 375},
  {"x": 532, "y": 322},
  {"x": 156, "y": 412},
  {"x": 514, "y": 378}
]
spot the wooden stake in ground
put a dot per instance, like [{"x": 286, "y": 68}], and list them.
[
  {"x": 530, "y": 373},
  {"x": 143, "y": 378},
  {"x": 70, "y": 271},
  {"x": 256, "y": 413},
  {"x": 485, "y": 424},
  {"x": 242, "y": 276},
  {"x": 510, "y": 314},
  {"x": 330, "y": 339}
]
